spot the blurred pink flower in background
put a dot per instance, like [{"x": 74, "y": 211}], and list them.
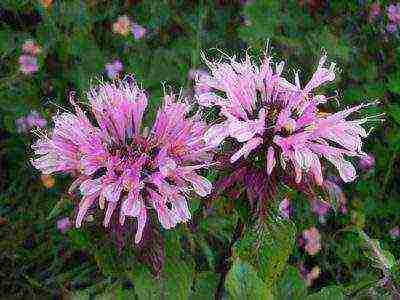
[
  {"x": 336, "y": 194},
  {"x": 312, "y": 239},
  {"x": 33, "y": 119},
  {"x": 31, "y": 47},
  {"x": 320, "y": 207},
  {"x": 114, "y": 68},
  {"x": 138, "y": 31},
  {"x": 375, "y": 10},
  {"x": 367, "y": 162},
  {"x": 393, "y": 12},
  {"x": 122, "y": 25},
  {"x": 395, "y": 232},
  {"x": 313, "y": 275},
  {"x": 28, "y": 64},
  {"x": 20, "y": 123},
  {"x": 63, "y": 224},
  {"x": 309, "y": 276},
  {"x": 284, "y": 208},
  {"x": 123, "y": 167},
  {"x": 391, "y": 27}
]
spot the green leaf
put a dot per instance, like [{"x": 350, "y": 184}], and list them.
[
  {"x": 7, "y": 42},
  {"x": 56, "y": 210},
  {"x": 205, "y": 286},
  {"x": 267, "y": 247},
  {"x": 174, "y": 283},
  {"x": 394, "y": 112},
  {"x": 242, "y": 282},
  {"x": 117, "y": 294},
  {"x": 394, "y": 83},
  {"x": 380, "y": 258},
  {"x": 80, "y": 295},
  {"x": 79, "y": 238},
  {"x": 263, "y": 18},
  {"x": 291, "y": 285},
  {"x": 327, "y": 293}
]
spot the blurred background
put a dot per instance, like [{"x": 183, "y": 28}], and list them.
[{"x": 49, "y": 49}]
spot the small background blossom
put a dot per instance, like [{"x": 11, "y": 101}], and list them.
[
  {"x": 32, "y": 120},
  {"x": 375, "y": 10},
  {"x": 395, "y": 232},
  {"x": 312, "y": 240},
  {"x": 28, "y": 64},
  {"x": 138, "y": 31},
  {"x": 367, "y": 162},
  {"x": 122, "y": 25},
  {"x": 63, "y": 225},
  {"x": 31, "y": 47},
  {"x": 320, "y": 207},
  {"x": 284, "y": 208},
  {"x": 114, "y": 68}
]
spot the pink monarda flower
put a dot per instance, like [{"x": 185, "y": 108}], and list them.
[
  {"x": 31, "y": 47},
  {"x": 114, "y": 68},
  {"x": 265, "y": 112},
  {"x": 195, "y": 74},
  {"x": 123, "y": 167},
  {"x": 138, "y": 31},
  {"x": 312, "y": 239},
  {"x": 122, "y": 25},
  {"x": 28, "y": 64}
]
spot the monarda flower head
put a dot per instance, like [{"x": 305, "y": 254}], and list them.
[
  {"x": 266, "y": 113},
  {"x": 122, "y": 166}
]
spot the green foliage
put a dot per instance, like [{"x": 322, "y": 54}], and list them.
[
  {"x": 174, "y": 283},
  {"x": 205, "y": 285},
  {"x": 267, "y": 246},
  {"x": 242, "y": 282},
  {"x": 330, "y": 292},
  {"x": 290, "y": 285}
]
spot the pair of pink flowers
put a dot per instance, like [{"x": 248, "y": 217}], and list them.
[
  {"x": 393, "y": 14},
  {"x": 124, "y": 26},
  {"x": 126, "y": 167}
]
